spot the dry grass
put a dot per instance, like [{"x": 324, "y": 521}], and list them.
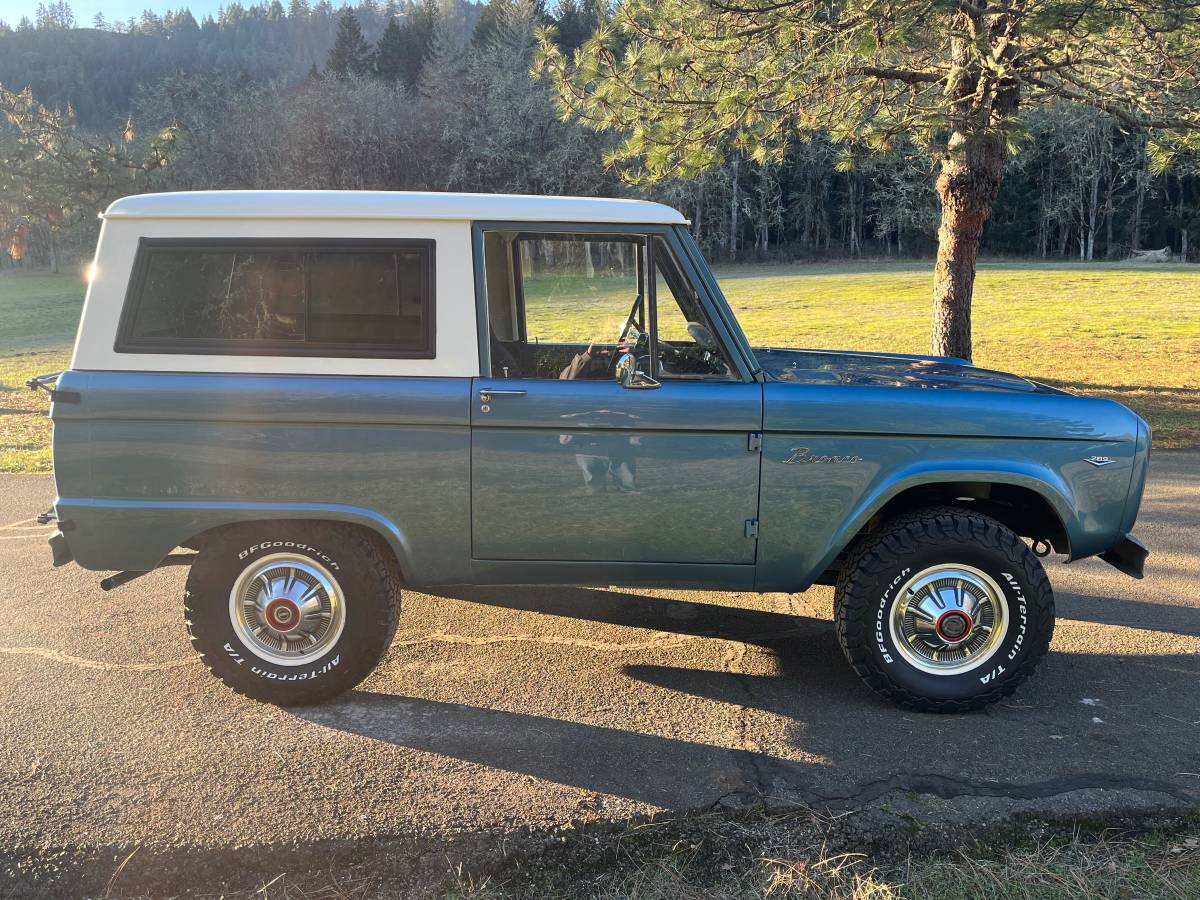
[
  {"x": 1071, "y": 865},
  {"x": 1131, "y": 333}
]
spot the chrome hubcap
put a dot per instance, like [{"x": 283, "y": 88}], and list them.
[
  {"x": 948, "y": 619},
  {"x": 287, "y": 609}
]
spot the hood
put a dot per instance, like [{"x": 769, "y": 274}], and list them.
[{"x": 886, "y": 370}]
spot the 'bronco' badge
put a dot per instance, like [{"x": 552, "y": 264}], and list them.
[{"x": 802, "y": 456}]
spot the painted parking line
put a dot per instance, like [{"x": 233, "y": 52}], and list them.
[
  {"x": 25, "y": 525},
  {"x": 26, "y": 529}
]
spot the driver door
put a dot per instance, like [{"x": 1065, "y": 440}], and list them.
[{"x": 570, "y": 465}]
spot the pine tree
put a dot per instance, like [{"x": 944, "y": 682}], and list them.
[
  {"x": 576, "y": 21},
  {"x": 417, "y": 38},
  {"x": 494, "y": 13},
  {"x": 489, "y": 19},
  {"x": 691, "y": 83},
  {"x": 389, "y": 52},
  {"x": 349, "y": 54}
]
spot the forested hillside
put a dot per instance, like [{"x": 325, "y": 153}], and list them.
[{"x": 439, "y": 96}]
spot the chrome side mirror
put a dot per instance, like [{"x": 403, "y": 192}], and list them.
[{"x": 630, "y": 377}]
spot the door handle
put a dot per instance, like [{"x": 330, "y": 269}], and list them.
[{"x": 487, "y": 393}]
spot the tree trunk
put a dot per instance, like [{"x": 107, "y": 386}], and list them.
[
  {"x": 1143, "y": 182},
  {"x": 733, "y": 214},
  {"x": 852, "y": 207},
  {"x": 967, "y": 186}
]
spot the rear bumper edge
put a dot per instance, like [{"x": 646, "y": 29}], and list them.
[{"x": 59, "y": 549}]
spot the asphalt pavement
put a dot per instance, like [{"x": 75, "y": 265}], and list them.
[{"x": 508, "y": 708}]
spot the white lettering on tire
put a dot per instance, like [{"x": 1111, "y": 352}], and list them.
[
  {"x": 234, "y": 655},
  {"x": 1022, "y": 627},
  {"x": 297, "y": 676},
  {"x": 1022, "y": 615},
  {"x": 272, "y": 545},
  {"x": 879, "y": 614}
]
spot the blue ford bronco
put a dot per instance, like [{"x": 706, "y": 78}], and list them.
[{"x": 315, "y": 400}]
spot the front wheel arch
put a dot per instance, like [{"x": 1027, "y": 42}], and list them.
[{"x": 1028, "y": 506}]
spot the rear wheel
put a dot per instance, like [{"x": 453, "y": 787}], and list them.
[
  {"x": 292, "y": 613},
  {"x": 944, "y": 610}
]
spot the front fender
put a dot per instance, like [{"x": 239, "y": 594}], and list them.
[
  {"x": 135, "y": 535},
  {"x": 812, "y": 509}
]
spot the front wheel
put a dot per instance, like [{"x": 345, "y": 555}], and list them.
[
  {"x": 292, "y": 613},
  {"x": 944, "y": 610}
]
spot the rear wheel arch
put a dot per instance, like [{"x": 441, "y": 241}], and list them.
[{"x": 390, "y": 540}]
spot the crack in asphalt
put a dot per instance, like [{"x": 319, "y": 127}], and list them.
[
  {"x": 746, "y": 752},
  {"x": 947, "y": 787},
  {"x": 84, "y": 663}
]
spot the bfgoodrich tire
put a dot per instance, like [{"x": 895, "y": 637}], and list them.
[
  {"x": 943, "y": 610},
  {"x": 292, "y": 613}
]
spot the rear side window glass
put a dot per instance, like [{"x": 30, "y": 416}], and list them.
[{"x": 323, "y": 299}]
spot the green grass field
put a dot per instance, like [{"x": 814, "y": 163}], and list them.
[
  {"x": 38, "y": 314},
  {"x": 1127, "y": 332}
]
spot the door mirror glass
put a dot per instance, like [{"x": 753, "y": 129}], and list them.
[{"x": 630, "y": 377}]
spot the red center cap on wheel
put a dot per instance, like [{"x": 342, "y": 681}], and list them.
[
  {"x": 283, "y": 614},
  {"x": 953, "y": 626}
]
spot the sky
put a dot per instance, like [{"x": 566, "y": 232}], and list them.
[{"x": 114, "y": 10}]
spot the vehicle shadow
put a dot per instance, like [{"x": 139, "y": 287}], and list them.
[
  {"x": 648, "y": 768},
  {"x": 633, "y": 610},
  {"x": 811, "y": 732},
  {"x": 1139, "y": 614},
  {"x": 780, "y": 631}
]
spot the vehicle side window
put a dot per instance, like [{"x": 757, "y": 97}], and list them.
[
  {"x": 371, "y": 298},
  {"x": 582, "y": 306},
  {"x": 568, "y": 306},
  {"x": 687, "y": 345}
]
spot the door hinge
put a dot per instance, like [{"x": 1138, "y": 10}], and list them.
[
  {"x": 754, "y": 442},
  {"x": 752, "y": 528}
]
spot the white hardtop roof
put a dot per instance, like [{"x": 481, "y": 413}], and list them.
[{"x": 388, "y": 205}]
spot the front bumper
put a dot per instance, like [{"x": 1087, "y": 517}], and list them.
[{"x": 1128, "y": 555}]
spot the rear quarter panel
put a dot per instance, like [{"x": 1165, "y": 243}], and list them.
[{"x": 145, "y": 461}]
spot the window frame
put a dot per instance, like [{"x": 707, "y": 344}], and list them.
[
  {"x": 126, "y": 343},
  {"x": 683, "y": 251}
]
